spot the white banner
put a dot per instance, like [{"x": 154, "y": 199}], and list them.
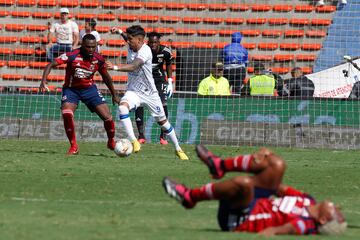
[{"x": 335, "y": 82}]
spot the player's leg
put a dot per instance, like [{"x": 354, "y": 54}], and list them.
[
  {"x": 139, "y": 119},
  {"x": 129, "y": 101},
  {"x": 162, "y": 94},
  {"x": 69, "y": 103}
]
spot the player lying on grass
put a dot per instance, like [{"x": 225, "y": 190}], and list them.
[
  {"x": 259, "y": 202},
  {"x": 79, "y": 85}
]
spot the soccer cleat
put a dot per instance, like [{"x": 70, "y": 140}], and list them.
[
  {"x": 212, "y": 161},
  {"x": 182, "y": 155},
  {"x": 178, "y": 191},
  {"x": 111, "y": 144},
  {"x": 142, "y": 140},
  {"x": 136, "y": 146},
  {"x": 73, "y": 150},
  {"x": 163, "y": 141}
]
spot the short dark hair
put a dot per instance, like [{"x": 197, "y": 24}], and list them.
[
  {"x": 135, "y": 30},
  {"x": 154, "y": 34},
  {"x": 89, "y": 37},
  {"x": 258, "y": 66},
  {"x": 294, "y": 70},
  {"x": 91, "y": 21}
]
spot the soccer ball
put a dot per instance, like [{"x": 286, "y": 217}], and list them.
[{"x": 123, "y": 148}]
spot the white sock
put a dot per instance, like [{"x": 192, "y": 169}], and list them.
[
  {"x": 169, "y": 131},
  {"x": 125, "y": 120}
]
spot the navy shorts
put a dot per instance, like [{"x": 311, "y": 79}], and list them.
[
  {"x": 90, "y": 96},
  {"x": 229, "y": 218}
]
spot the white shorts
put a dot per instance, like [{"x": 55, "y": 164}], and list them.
[{"x": 153, "y": 103}]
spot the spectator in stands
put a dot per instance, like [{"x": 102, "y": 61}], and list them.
[
  {"x": 235, "y": 58},
  {"x": 90, "y": 25},
  {"x": 298, "y": 85},
  {"x": 67, "y": 36},
  {"x": 261, "y": 84},
  {"x": 215, "y": 84}
]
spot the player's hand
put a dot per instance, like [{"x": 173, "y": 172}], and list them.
[
  {"x": 170, "y": 88},
  {"x": 43, "y": 87},
  {"x": 116, "y": 30},
  {"x": 115, "y": 100},
  {"x": 268, "y": 232},
  {"x": 109, "y": 65}
]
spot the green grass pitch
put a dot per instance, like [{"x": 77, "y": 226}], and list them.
[{"x": 96, "y": 195}]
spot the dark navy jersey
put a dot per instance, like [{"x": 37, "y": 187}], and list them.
[{"x": 163, "y": 56}]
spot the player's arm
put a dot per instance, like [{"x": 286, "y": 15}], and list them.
[
  {"x": 50, "y": 37},
  {"x": 46, "y": 73},
  {"x": 287, "y": 228},
  {"x": 109, "y": 83},
  {"x": 119, "y": 31},
  {"x": 135, "y": 65},
  {"x": 168, "y": 64}
]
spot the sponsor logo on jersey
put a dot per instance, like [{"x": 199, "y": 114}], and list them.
[{"x": 82, "y": 73}]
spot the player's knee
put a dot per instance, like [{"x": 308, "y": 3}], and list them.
[
  {"x": 243, "y": 182},
  {"x": 278, "y": 163},
  {"x": 123, "y": 109},
  {"x": 67, "y": 112}
]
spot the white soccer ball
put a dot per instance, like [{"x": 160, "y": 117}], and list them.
[{"x": 123, "y": 148}]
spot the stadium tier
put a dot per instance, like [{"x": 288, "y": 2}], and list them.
[{"x": 282, "y": 35}]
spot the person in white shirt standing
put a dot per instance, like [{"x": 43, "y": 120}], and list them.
[
  {"x": 141, "y": 89},
  {"x": 90, "y": 28},
  {"x": 67, "y": 36}
]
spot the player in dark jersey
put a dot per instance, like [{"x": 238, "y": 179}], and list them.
[
  {"x": 258, "y": 203},
  {"x": 161, "y": 55},
  {"x": 79, "y": 85}
]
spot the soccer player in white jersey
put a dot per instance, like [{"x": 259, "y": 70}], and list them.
[{"x": 141, "y": 89}]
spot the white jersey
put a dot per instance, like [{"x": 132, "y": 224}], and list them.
[
  {"x": 141, "y": 80},
  {"x": 64, "y": 31},
  {"x": 95, "y": 34}
]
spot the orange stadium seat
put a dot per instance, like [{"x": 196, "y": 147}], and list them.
[
  {"x": 304, "y": 8},
  {"x": 250, "y": 69},
  {"x": 226, "y": 32},
  {"x": 311, "y": 46},
  {"x": 112, "y": 53},
  {"x": 12, "y": 77},
  {"x": 24, "y": 51},
  {"x": 196, "y": 6},
  {"x": 14, "y": 27},
  {"x": 207, "y": 32},
  {"x": 182, "y": 44},
  {"x": 250, "y": 33},
  {"x": 220, "y": 44},
  {"x": 111, "y": 5},
  {"x": 282, "y": 8},
  {"x": 30, "y": 39},
  {"x": 257, "y": 21},
  {"x": 8, "y": 39},
  {"x": 148, "y": 29},
  {"x": 154, "y": 5},
  {"x": 18, "y": 64},
  {"x": 40, "y": 52},
  {"x": 38, "y": 64},
  {"x": 249, "y": 46},
  {"x": 283, "y": 57},
  {"x": 31, "y": 77},
  {"x": 116, "y": 43},
  {"x": 299, "y": 21},
  {"x": 268, "y": 46},
  {"x": 106, "y": 17},
  {"x": 5, "y": 51},
  {"x": 175, "y": 6},
  {"x": 170, "y": 19},
  {"x": 26, "y": 2},
  {"x": 4, "y": 13},
  {"x": 278, "y": 21},
  {"x": 148, "y": 18},
  {"x": 217, "y": 7},
  {"x": 42, "y": 15},
  {"x": 127, "y": 18},
  {"x": 82, "y": 16},
  {"x": 272, "y": 33},
  {"x": 315, "y": 33},
  {"x": 192, "y": 19},
  {"x": 280, "y": 70},
  {"x": 325, "y": 9},
  {"x": 68, "y": 3},
  {"x": 36, "y": 28},
  {"x": 307, "y": 70},
  {"x": 90, "y": 4},
  {"x": 21, "y": 14},
  {"x": 163, "y": 30},
  {"x": 47, "y": 3},
  {"x": 120, "y": 79},
  {"x": 6, "y": 2},
  {"x": 294, "y": 33},
  {"x": 261, "y": 57},
  {"x": 260, "y": 8},
  {"x": 320, "y": 22},
  {"x": 2, "y": 63},
  {"x": 56, "y": 78},
  {"x": 289, "y": 46},
  {"x": 212, "y": 20},
  {"x": 234, "y": 21},
  {"x": 185, "y": 31},
  {"x": 203, "y": 45},
  {"x": 305, "y": 57},
  {"x": 132, "y": 5},
  {"x": 239, "y": 7},
  {"x": 102, "y": 29}
]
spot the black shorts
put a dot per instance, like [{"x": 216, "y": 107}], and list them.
[
  {"x": 161, "y": 88},
  {"x": 229, "y": 218}
]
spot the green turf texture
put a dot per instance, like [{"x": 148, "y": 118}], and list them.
[{"x": 97, "y": 195}]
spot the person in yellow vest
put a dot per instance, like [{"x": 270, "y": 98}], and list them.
[
  {"x": 215, "y": 84},
  {"x": 261, "y": 84}
]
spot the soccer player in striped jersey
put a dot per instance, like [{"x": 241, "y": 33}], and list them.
[
  {"x": 261, "y": 202},
  {"x": 141, "y": 89}
]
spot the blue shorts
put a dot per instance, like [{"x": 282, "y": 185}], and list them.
[
  {"x": 90, "y": 96},
  {"x": 229, "y": 218}
]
